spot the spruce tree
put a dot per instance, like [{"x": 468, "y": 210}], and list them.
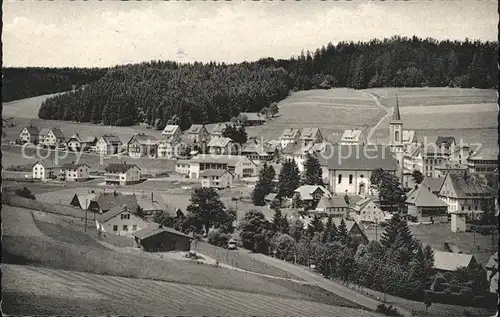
[
  {"x": 397, "y": 236},
  {"x": 289, "y": 179},
  {"x": 342, "y": 233},
  {"x": 277, "y": 222},
  {"x": 312, "y": 171},
  {"x": 264, "y": 185},
  {"x": 315, "y": 226}
]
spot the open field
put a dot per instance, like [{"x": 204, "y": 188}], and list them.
[
  {"x": 50, "y": 245},
  {"x": 332, "y": 110},
  {"x": 24, "y": 108},
  {"x": 467, "y": 114},
  {"x": 436, "y": 235},
  {"x": 77, "y": 293}
]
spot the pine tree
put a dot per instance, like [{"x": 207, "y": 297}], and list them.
[
  {"x": 289, "y": 179},
  {"x": 397, "y": 236},
  {"x": 312, "y": 171},
  {"x": 277, "y": 222},
  {"x": 330, "y": 231},
  {"x": 264, "y": 185},
  {"x": 315, "y": 226},
  {"x": 342, "y": 233}
]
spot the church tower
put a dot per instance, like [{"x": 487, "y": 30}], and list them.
[{"x": 396, "y": 137}]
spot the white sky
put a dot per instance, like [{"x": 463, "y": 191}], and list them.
[{"x": 107, "y": 33}]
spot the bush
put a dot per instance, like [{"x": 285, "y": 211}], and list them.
[
  {"x": 25, "y": 192},
  {"x": 466, "y": 291},
  {"x": 215, "y": 237},
  {"x": 388, "y": 310}
]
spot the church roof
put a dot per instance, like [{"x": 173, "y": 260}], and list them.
[{"x": 396, "y": 116}]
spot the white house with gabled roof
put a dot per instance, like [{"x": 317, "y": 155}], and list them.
[
  {"x": 29, "y": 134},
  {"x": 352, "y": 137},
  {"x": 44, "y": 169},
  {"x": 238, "y": 165},
  {"x": 108, "y": 144},
  {"x": 289, "y": 135},
  {"x": 172, "y": 131}
]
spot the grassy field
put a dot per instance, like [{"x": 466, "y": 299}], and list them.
[
  {"x": 331, "y": 110},
  {"x": 24, "y": 108},
  {"x": 75, "y": 293},
  {"x": 50, "y": 245},
  {"x": 467, "y": 114}
]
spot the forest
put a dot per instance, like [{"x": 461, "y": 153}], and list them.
[
  {"x": 21, "y": 83},
  {"x": 154, "y": 92}
]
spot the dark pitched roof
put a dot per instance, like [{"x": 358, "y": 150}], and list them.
[
  {"x": 32, "y": 130},
  {"x": 290, "y": 133},
  {"x": 57, "y": 133},
  {"x": 111, "y": 139},
  {"x": 218, "y": 128},
  {"x": 332, "y": 202},
  {"x": 445, "y": 140},
  {"x": 113, "y": 212},
  {"x": 46, "y": 164},
  {"x": 107, "y": 201},
  {"x": 195, "y": 128},
  {"x": 469, "y": 184},
  {"x": 155, "y": 229},
  {"x": 434, "y": 184},
  {"x": 119, "y": 167},
  {"x": 214, "y": 172},
  {"x": 422, "y": 197},
  {"x": 73, "y": 165},
  {"x": 358, "y": 157},
  {"x": 396, "y": 116},
  {"x": 143, "y": 139},
  {"x": 490, "y": 154}
]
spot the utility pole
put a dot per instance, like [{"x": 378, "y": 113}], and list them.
[
  {"x": 86, "y": 210},
  {"x": 376, "y": 229}
]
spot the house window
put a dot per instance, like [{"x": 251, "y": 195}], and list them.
[
  {"x": 125, "y": 216},
  {"x": 340, "y": 178},
  {"x": 350, "y": 179},
  {"x": 396, "y": 136},
  {"x": 134, "y": 227},
  {"x": 125, "y": 228},
  {"x": 115, "y": 228},
  {"x": 361, "y": 176}
]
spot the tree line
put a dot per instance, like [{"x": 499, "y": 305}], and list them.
[
  {"x": 19, "y": 83},
  {"x": 198, "y": 93}
]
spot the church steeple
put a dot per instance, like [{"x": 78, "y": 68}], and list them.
[{"x": 395, "y": 114}]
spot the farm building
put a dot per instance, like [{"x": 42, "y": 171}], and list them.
[
  {"x": 51, "y": 137},
  {"x": 121, "y": 220},
  {"x": 221, "y": 146},
  {"x": 239, "y": 166},
  {"x": 450, "y": 262},
  {"x": 197, "y": 133},
  {"x": 366, "y": 211},
  {"x": 122, "y": 173},
  {"x": 426, "y": 206},
  {"x": 217, "y": 131},
  {"x": 350, "y": 167},
  {"x": 79, "y": 143},
  {"x": 141, "y": 145},
  {"x": 253, "y": 118},
  {"x": 310, "y": 136},
  {"x": 310, "y": 195},
  {"x": 352, "y": 137},
  {"x": 216, "y": 178},
  {"x": 333, "y": 205},
  {"x": 289, "y": 135},
  {"x": 44, "y": 170},
  {"x": 108, "y": 144},
  {"x": 74, "y": 172},
  {"x": 484, "y": 161},
  {"x": 85, "y": 202},
  {"x": 172, "y": 131},
  {"x": 151, "y": 204},
  {"x": 270, "y": 197},
  {"x": 29, "y": 134},
  {"x": 466, "y": 192},
  {"x": 157, "y": 238}
]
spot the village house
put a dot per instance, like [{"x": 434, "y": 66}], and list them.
[
  {"x": 103, "y": 202},
  {"x": 289, "y": 135},
  {"x": 218, "y": 179},
  {"x": 172, "y": 132},
  {"x": 221, "y": 146},
  {"x": 366, "y": 211},
  {"x": 353, "y": 229},
  {"x": 51, "y": 137},
  {"x": 425, "y": 158},
  {"x": 409, "y": 137},
  {"x": 298, "y": 152},
  {"x": 256, "y": 151},
  {"x": 79, "y": 143},
  {"x": 349, "y": 167},
  {"x": 445, "y": 168},
  {"x": 217, "y": 131},
  {"x": 310, "y": 195},
  {"x": 450, "y": 262},
  {"x": 44, "y": 170},
  {"x": 310, "y": 136},
  {"x": 28, "y": 134},
  {"x": 157, "y": 238},
  {"x": 353, "y": 137},
  {"x": 333, "y": 205},
  {"x": 198, "y": 133},
  {"x": 108, "y": 144},
  {"x": 75, "y": 172},
  {"x": 87, "y": 201},
  {"x": 182, "y": 167},
  {"x": 465, "y": 192},
  {"x": 239, "y": 166},
  {"x": 141, "y": 145},
  {"x": 122, "y": 174},
  {"x": 121, "y": 220},
  {"x": 151, "y": 204},
  {"x": 253, "y": 118},
  {"x": 424, "y": 206},
  {"x": 484, "y": 161},
  {"x": 168, "y": 148}
]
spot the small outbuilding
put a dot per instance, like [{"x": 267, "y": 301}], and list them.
[{"x": 157, "y": 238}]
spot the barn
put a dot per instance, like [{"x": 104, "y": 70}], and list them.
[{"x": 162, "y": 239}]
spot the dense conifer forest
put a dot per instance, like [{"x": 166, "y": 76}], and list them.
[
  {"x": 20, "y": 83},
  {"x": 154, "y": 92}
]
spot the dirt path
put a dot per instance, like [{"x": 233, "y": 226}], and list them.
[{"x": 375, "y": 127}]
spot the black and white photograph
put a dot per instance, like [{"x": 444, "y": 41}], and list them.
[{"x": 250, "y": 158}]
